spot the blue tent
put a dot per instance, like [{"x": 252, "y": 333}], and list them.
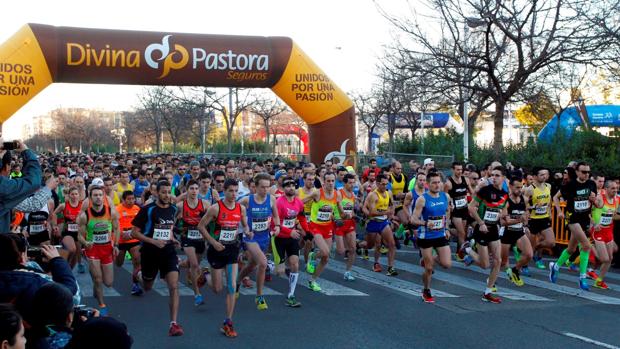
[{"x": 599, "y": 116}]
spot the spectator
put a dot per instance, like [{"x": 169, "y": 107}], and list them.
[
  {"x": 101, "y": 333},
  {"x": 11, "y": 328},
  {"x": 19, "y": 282},
  {"x": 14, "y": 191},
  {"x": 51, "y": 327}
]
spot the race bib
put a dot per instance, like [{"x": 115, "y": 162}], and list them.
[
  {"x": 518, "y": 226},
  {"x": 127, "y": 234},
  {"x": 194, "y": 234},
  {"x": 606, "y": 220},
  {"x": 37, "y": 228},
  {"x": 435, "y": 224},
  {"x": 228, "y": 234},
  {"x": 72, "y": 227},
  {"x": 101, "y": 238},
  {"x": 260, "y": 225},
  {"x": 491, "y": 216},
  {"x": 541, "y": 209},
  {"x": 582, "y": 205},
  {"x": 289, "y": 223},
  {"x": 161, "y": 234},
  {"x": 324, "y": 216},
  {"x": 460, "y": 202},
  {"x": 397, "y": 203}
]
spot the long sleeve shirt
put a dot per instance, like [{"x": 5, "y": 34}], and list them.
[{"x": 14, "y": 191}]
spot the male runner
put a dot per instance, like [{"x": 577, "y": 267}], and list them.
[
  {"x": 580, "y": 194},
  {"x": 538, "y": 202},
  {"x": 488, "y": 206},
  {"x": 379, "y": 209},
  {"x": 261, "y": 209},
  {"x": 305, "y": 194},
  {"x": 325, "y": 203},
  {"x": 123, "y": 185},
  {"x": 70, "y": 210},
  {"x": 153, "y": 226},
  {"x": 431, "y": 213},
  {"x": 345, "y": 231},
  {"x": 224, "y": 246},
  {"x": 603, "y": 230},
  {"x": 191, "y": 210},
  {"x": 285, "y": 244},
  {"x": 127, "y": 211},
  {"x": 458, "y": 186},
  {"x": 514, "y": 232},
  {"x": 95, "y": 233}
]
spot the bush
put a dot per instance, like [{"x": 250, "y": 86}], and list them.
[{"x": 601, "y": 152}]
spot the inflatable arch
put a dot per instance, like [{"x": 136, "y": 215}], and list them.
[{"x": 38, "y": 55}]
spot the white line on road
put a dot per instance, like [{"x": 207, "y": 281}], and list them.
[
  {"x": 328, "y": 288},
  {"x": 573, "y": 291},
  {"x": 571, "y": 276},
  {"x": 467, "y": 283},
  {"x": 591, "y": 341},
  {"x": 399, "y": 285},
  {"x": 86, "y": 286},
  {"x": 160, "y": 286}
]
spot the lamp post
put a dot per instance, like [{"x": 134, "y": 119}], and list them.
[{"x": 469, "y": 22}]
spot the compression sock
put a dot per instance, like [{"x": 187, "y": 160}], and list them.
[
  {"x": 563, "y": 258},
  {"x": 583, "y": 263},
  {"x": 292, "y": 283}
]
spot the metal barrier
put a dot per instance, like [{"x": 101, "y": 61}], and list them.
[
  {"x": 385, "y": 159},
  {"x": 559, "y": 228}
]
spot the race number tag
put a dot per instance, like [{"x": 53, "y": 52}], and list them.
[
  {"x": 101, "y": 238},
  {"x": 72, "y": 227},
  {"x": 260, "y": 225},
  {"x": 582, "y": 205},
  {"x": 37, "y": 228},
  {"x": 161, "y": 234},
  {"x": 228, "y": 234},
  {"x": 517, "y": 226},
  {"x": 541, "y": 209},
  {"x": 289, "y": 223},
  {"x": 606, "y": 220},
  {"x": 460, "y": 202},
  {"x": 194, "y": 234},
  {"x": 435, "y": 224},
  {"x": 491, "y": 216},
  {"x": 324, "y": 216}
]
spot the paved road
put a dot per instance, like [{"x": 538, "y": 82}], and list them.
[{"x": 379, "y": 311}]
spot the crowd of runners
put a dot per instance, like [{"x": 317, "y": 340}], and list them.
[{"x": 254, "y": 219}]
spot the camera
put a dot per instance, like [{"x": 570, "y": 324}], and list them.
[
  {"x": 82, "y": 310},
  {"x": 10, "y": 145}
]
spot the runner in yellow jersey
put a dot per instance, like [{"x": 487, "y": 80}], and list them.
[
  {"x": 538, "y": 204},
  {"x": 123, "y": 185}
]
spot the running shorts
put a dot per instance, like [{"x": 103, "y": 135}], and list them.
[
  {"x": 605, "y": 234},
  {"x": 538, "y": 225},
  {"x": 126, "y": 246},
  {"x": 346, "y": 228},
  {"x": 220, "y": 259},
  {"x": 432, "y": 243},
  {"x": 284, "y": 248},
  {"x": 154, "y": 259},
  {"x": 326, "y": 230},
  {"x": 197, "y": 244},
  {"x": 510, "y": 237},
  {"x": 484, "y": 238},
  {"x": 100, "y": 252},
  {"x": 376, "y": 227}
]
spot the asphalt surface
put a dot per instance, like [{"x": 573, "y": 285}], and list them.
[{"x": 377, "y": 311}]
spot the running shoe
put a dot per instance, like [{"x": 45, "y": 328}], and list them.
[
  {"x": 311, "y": 265},
  {"x": 103, "y": 310},
  {"x": 525, "y": 271},
  {"x": 202, "y": 278},
  {"x": 348, "y": 276},
  {"x": 391, "y": 271},
  {"x": 458, "y": 259},
  {"x": 568, "y": 263},
  {"x": 314, "y": 286},
  {"x": 592, "y": 275},
  {"x": 400, "y": 232},
  {"x": 601, "y": 284},
  {"x": 468, "y": 260},
  {"x": 427, "y": 297},
  {"x": 553, "y": 273},
  {"x": 583, "y": 284},
  {"x": 127, "y": 255},
  {"x": 491, "y": 298},
  {"x": 365, "y": 256},
  {"x": 516, "y": 252},
  {"x": 573, "y": 267},
  {"x": 513, "y": 275},
  {"x": 136, "y": 290},
  {"x": 292, "y": 302},
  {"x": 199, "y": 300},
  {"x": 246, "y": 282},
  {"x": 81, "y": 268},
  {"x": 377, "y": 268},
  {"x": 462, "y": 252},
  {"x": 175, "y": 330},
  {"x": 346, "y": 255},
  {"x": 261, "y": 303},
  {"x": 540, "y": 264},
  {"x": 383, "y": 250},
  {"x": 228, "y": 330}
]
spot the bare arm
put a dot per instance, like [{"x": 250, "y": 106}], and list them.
[{"x": 417, "y": 211}]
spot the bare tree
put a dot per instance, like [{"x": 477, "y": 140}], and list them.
[
  {"x": 153, "y": 105},
  {"x": 267, "y": 109},
  {"x": 366, "y": 109},
  {"x": 240, "y": 100}
]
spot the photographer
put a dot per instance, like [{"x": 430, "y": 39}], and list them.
[
  {"x": 14, "y": 191},
  {"x": 11, "y": 328},
  {"x": 19, "y": 282}
]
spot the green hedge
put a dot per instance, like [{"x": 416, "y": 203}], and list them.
[{"x": 601, "y": 152}]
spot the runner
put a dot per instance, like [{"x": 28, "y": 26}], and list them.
[
  {"x": 431, "y": 213},
  {"x": 123, "y": 185},
  {"x": 218, "y": 179},
  {"x": 486, "y": 209},
  {"x": 603, "y": 230},
  {"x": 110, "y": 192},
  {"x": 191, "y": 210},
  {"x": 580, "y": 194},
  {"x": 70, "y": 210},
  {"x": 285, "y": 244},
  {"x": 224, "y": 246},
  {"x": 153, "y": 227},
  {"x": 127, "y": 211},
  {"x": 515, "y": 225},
  {"x": 99, "y": 234},
  {"x": 538, "y": 202},
  {"x": 261, "y": 209},
  {"x": 458, "y": 187},
  {"x": 325, "y": 203},
  {"x": 378, "y": 208},
  {"x": 345, "y": 228},
  {"x": 305, "y": 194}
]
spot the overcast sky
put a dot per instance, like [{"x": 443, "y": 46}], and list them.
[{"x": 344, "y": 37}]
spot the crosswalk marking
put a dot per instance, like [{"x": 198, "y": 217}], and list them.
[
  {"x": 399, "y": 285},
  {"x": 245, "y": 291},
  {"x": 569, "y": 277},
  {"x": 573, "y": 291},
  {"x": 160, "y": 286},
  {"x": 86, "y": 286},
  {"x": 465, "y": 282},
  {"x": 328, "y": 288}
]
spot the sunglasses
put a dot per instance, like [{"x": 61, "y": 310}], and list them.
[{"x": 220, "y": 181}]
